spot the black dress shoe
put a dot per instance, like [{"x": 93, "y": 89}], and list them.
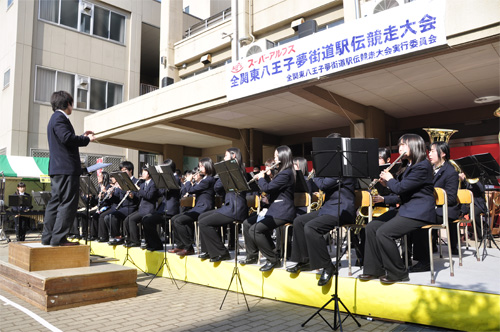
[
  {"x": 204, "y": 255},
  {"x": 270, "y": 265},
  {"x": 102, "y": 239},
  {"x": 66, "y": 243},
  {"x": 131, "y": 245},
  {"x": 366, "y": 277},
  {"x": 420, "y": 267},
  {"x": 249, "y": 260},
  {"x": 219, "y": 258},
  {"x": 154, "y": 249},
  {"x": 388, "y": 281},
  {"x": 299, "y": 267},
  {"x": 326, "y": 275},
  {"x": 144, "y": 245}
]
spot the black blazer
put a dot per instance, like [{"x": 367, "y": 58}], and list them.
[
  {"x": 170, "y": 202},
  {"x": 204, "y": 191},
  {"x": 148, "y": 196},
  {"x": 63, "y": 146},
  {"x": 130, "y": 204},
  {"x": 280, "y": 191},
  {"x": 447, "y": 179},
  {"x": 330, "y": 186},
  {"x": 235, "y": 206},
  {"x": 416, "y": 192}
]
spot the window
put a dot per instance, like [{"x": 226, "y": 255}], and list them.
[
  {"x": 186, "y": 9},
  {"x": 69, "y": 13},
  {"x": 6, "y": 78},
  {"x": 102, "y": 94},
  {"x": 9, "y": 2},
  {"x": 85, "y": 17}
]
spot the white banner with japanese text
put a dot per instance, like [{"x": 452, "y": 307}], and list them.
[{"x": 409, "y": 28}]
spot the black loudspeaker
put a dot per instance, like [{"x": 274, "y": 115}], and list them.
[
  {"x": 307, "y": 28},
  {"x": 166, "y": 81}
]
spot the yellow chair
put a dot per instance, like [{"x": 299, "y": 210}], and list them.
[
  {"x": 466, "y": 197},
  {"x": 441, "y": 200},
  {"x": 363, "y": 199}
]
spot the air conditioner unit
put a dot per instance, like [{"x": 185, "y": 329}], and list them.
[
  {"x": 258, "y": 46},
  {"x": 83, "y": 82},
  {"x": 370, "y": 7},
  {"x": 86, "y": 8}
]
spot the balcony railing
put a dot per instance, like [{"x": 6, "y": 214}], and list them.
[
  {"x": 209, "y": 22},
  {"x": 146, "y": 88}
]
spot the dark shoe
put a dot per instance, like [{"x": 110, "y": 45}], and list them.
[
  {"x": 420, "y": 267},
  {"x": 299, "y": 267},
  {"x": 204, "y": 255},
  {"x": 144, "y": 245},
  {"x": 366, "y": 277},
  {"x": 387, "y": 281},
  {"x": 219, "y": 258},
  {"x": 185, "y": 252},
  {"x": 174, "y": 250},
  {"x": 326, "y": 275},
  {"x": 454, "y": 252},
  {"x": 131, "y": 245},
  {"x": 71, "y": 236},
  {"x": 92, "y": 238},
  {"x": 270, "y": 265},
  {"x": 102, "y": 239},
  {"x": 45, "y": 243},
  {"x": 116, "y": 241},
  {"x": 68, "y": 243},
  {"x": 249, "y": 260},
  {"x": 154, "y": 249}
]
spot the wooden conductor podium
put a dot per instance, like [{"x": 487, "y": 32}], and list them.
[{"x": 53, "y": 278}]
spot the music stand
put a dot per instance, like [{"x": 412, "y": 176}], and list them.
[
  {"x": 486, "y": 168},
  {"x": 126, "y": 184},
  {"x": 164, "y": 178},
  {"x": 41, "y": 198},
  {"x": 341, "y": 158},
  {"x": 233, "y": 179},
  {"x": 88, "y": 189},
  {"x": 3, "y": 236}
]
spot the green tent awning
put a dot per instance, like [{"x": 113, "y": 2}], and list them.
[{"x": 24, "y": 167}]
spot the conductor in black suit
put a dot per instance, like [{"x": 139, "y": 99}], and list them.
[{"x": 64, "y": 170}]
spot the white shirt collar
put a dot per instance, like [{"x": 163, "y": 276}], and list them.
[{"x": 66, "y": 115}]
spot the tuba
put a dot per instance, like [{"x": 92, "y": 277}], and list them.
[{"x": 444, "y": 135}]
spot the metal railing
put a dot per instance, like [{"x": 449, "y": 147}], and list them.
[
  {"x": 146, "y": 88},
  {"x": 209, "y": 22}
]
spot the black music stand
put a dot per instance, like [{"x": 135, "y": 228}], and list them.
[
  {"x": 486, "y": 168},
  {"x": 41, "y": 198},
  {"x": 343, "y": 158},
  {"x": 87, "y": 189},
  {"x": 233, "y": 179},
  {"x": 164, "y": 178},
  {"x": 126, "y": 184},
  {"x": 3, "y": 236}
]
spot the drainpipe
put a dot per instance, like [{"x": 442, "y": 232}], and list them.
[{"x": 235, "y": 47}]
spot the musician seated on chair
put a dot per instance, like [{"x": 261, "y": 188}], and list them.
[
  {"x": 127, "y": 204},
  {"x": 147, "y": 195},
  {"x": 413, "y": 184},
  {"x": 445, "y": 177},
  {"x": 168, "y": 208},
  {"x": 22, "y": 223},
  {"x": 310, "y": 249},
  {"x": 183, "y": 223}
]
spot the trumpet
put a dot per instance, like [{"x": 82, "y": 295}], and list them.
[
  {"x": 268, "y": 168},
  {"x": 374, "y": 182}
]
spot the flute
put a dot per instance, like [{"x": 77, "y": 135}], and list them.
[
  {"x": 374, "y": 182},
  {"x": 272, "y": 166}
]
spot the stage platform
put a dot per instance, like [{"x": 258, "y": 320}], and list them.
[
  {"x": 54, "y": 288},
  {"x": 469, "y": 301}
]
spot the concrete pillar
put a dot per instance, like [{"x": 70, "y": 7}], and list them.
[
  {"x": 375, "y": 125},
  {"x": 174, "y": 152},
  {"x": 170, "y": 33}
]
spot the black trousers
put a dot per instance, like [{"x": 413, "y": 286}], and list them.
[
  {"x": 211, "y": 241},
  {"x": 61, "y": 209},
  {"x": 381, "y": 250},
  {"x": 22, "y": 225},
  {"x": 113, "y": 221},
  {"x": 149, "y": 225},
  {"x": 309, "y": 243},
  {"x": 103, "y": 227},
  {"x": 258, "y": 237},
  {"x": 131, "y": 227},
  {"x": 183, "y": 225}
]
